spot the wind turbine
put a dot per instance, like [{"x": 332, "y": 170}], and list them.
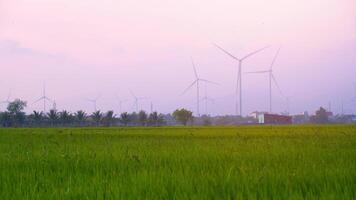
[
  {"x": 196, "y": 82},
  {"x": 207, "y": 99},
  {"x": 271, "y": 78},
  {"x": 120, "y": 101},
  {"x": 239, "y": 74},
  {"x": 44, "y": 98},
  {"x": 94, "y": 102},
  {"x": 136, "y": 100}
]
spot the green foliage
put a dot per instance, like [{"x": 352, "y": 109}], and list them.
[
  {"x": 271, "y": 162},
  {"x": 16, "y": 107},
  {"x": 183, "y": 116},
  {"x": 125, "y": 118},
  {"x": 97, "y": 116},
  {"x": 142, "y": 118}
]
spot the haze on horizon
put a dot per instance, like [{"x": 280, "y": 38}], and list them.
[{"x": 86, "y": 48}]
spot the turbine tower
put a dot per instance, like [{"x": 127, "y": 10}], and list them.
[
  {"x": 206, "y": 99},
  {"x": 44, "y": 98},
  {"x": 136, "y": 100},
  {"x": 271, "y": 78},
  {"x": 239, "y": 75},
  {"x": 120, "y": 101},
  {"x": 94, "y": 102},
  {"x": 197, "y": 83}
]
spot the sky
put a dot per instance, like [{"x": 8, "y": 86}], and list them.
[{"x": 89, "y": 48}]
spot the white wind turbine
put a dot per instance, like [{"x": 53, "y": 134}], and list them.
[
  {"x": 94, "y": 102},
  {"x": 120, "y": 101},
  {"x": 197, "y": 83},
  {"x": 44, "y": 98},
  {"x": 239, "y": 75},
  {"x": 137, "y": 100},
  {"x": 271, "y": 78},
  {"x": 206, "y": 99}
]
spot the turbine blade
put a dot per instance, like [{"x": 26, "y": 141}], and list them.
[
  {"x": 275, "y": 58},
  {"x": 255, "y": 52},
  {"x": 258, "y": 72},
  {"x": 276, "y": 83},
  {"x": 223, "y": 50},
  {"x": 207, "y": 81},
  {"x": 38, "y": 100},
  {"x": 191, "y": 85},
  {"x": 195, "y": 70}
]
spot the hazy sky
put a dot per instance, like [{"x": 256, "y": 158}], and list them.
[{"x": 86, "y": 48}]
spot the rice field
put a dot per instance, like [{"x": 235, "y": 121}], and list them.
[{"x": 248, "y": 162}]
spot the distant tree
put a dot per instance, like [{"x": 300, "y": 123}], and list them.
[
  {"x": 206, "y": 120},
  {"x": 5, "y": 119},
  {"x": 321, "y": 116},
  {"x": 109, "y": 118},
  {"x": 15, "y": 109},
  {"x": 36, "y": 118},
  {"x": 80, "y": 117},
  {"x": 52, "y": 116},
  {"x": 124, "y": 118},
  {"x": 134, "y": 119},
  {"x": 97, "y": 117},
  {"x": 183, "y": 116},
  {"x": 142, "y": 118},
  {"x": 155, "y": 119},
  {"x": 65, "y": 117}
]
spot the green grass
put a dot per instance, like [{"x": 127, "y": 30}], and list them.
[{"x": 278, "y": 162}]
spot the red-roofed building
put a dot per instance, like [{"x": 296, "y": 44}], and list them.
[{"x": 274, "y": 119}]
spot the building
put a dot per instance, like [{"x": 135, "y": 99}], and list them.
[
  {"x": 255, "y": 114},
  {"x": 274, "y": 119}
]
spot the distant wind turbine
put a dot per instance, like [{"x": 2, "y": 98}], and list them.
[
  {"x": 94, "y": 102},
  {"x": 197, "y": 83},
  {"x": 44, "y": 98},
  {"x": 137, "y": 100},
  {"x": 207, "y": 99},
  {"x": 120, "y": 101},
  {"x": 239, "y": 75},
  {"x": 271, "y": 78}
]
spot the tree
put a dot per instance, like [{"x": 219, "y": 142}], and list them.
[
  {"x": 142, "y": 118},
  {"x": 183, "y": 116},
  {"x": 52, "y": 116},
  {"x": 97, "y": 116},
  {"x": 124, "y": 118},
  {"x": 321, "y": 116},
  {"x": 80, "y": 117},
  {"x": 36, "y": 117},
  {"x": 109, "y": 118},
  {"x": 65, "y": 117},
  {"x": 155, "y": 119},
  {"x": 134, "y": 118},
  {"x": 5, "y": 119},
  {"x": 15, "y": 109}
]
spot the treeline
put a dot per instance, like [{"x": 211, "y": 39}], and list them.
[{"x": 15, "y": 116}]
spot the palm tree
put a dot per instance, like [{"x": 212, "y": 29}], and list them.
[
  {"x": 109, "y": 118},
  {"x": 36, "y": 117},
  {"x": 97, "y": 117},
  {"x": 80, "y": 117},
  {"x": 65, "y": 117},
  {"x": 52, "y": 116},
  {"x": 124, "y": 118}
]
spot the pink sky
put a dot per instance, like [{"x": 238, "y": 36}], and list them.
[{"x": 83, "y": 48}]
